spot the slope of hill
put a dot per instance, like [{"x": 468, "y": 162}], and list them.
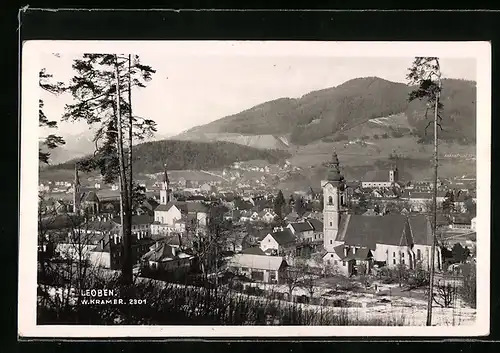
[
  {"x": 150, "y": 157},
  {"x": 338, "y": 109}
]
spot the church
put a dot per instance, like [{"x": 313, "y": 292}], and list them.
[
  {"x": 350, "y": 240},
  {"x": 173, "y": 216}
]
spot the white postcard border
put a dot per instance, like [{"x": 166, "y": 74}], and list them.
[{"x": 27, "y": 326}]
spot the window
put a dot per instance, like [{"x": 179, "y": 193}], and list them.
[
  {"x": 403, "y": 255},
  {"x": 343, "y": 263},
  {"x": 330, "y": 200},
  {"x": 419, "y": 254},
  {"x": 331, "y": 255},
  {"x": 331, "y": 241},
  {"x": 403, "y": 261},
  {"x": 268, "y": 240},
  {"x": 394, "y": 254},
  {"x": 335, "y": 262},
  {"x": 331, "y": 224},
  {"x": 393, "y": 261}
]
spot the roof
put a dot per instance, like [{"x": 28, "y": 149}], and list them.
[
  {"x": 362, "y": 253},
  {"x": 292, "y": 216},
  {"x": 150, "y": 203},
  {"x": 283, "y": 237},
  {"x": 368, "y": 231},
  {"x": 334, "y": 171},
  {"x": 421, "y": 231},
  {"x": 91, "y": 196},
  {"x": 137, "y": 219},
  {"x": 196, "y": 207},
  {"x": 162, "y": 252},
  {"x": 168, "y": 206},
  {"x": 302, "y": 227},
  {"x": 377, "y": 176},
  {"x": 316, "y": 224},
  {"x": 261, "y": 262},
  {"x": 254, "y": 250}
]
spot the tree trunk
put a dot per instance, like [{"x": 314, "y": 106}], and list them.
[
  {"x": 434, "y": 211},
  {"x": 125, "y": 214}
]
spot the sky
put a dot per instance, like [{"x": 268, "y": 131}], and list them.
[{"x": 190, "y": 88}]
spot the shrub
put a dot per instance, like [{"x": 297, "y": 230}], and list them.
[
  {"x": 375, "y": 137},
  {"x": 385, "y": 135}
]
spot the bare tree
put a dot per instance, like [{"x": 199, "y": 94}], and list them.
[
  {"x": 68, "y": 269},
  {"x": 425, "y": 72},
  {"x": 446, "y": 294}
]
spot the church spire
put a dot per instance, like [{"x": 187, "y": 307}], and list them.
[
  {"x": 334, "y": 172},
  {"x": 165, "y": 175},
  {"x": 77, "y": 179}
]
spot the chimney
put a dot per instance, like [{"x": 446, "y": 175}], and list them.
[
  {"x": 102, "y": 243},
  {"x": 173, "y": 250},
  {"x": 345, "y": 250}
]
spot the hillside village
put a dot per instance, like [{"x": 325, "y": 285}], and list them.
[
  {"x": 313, "y": 210},
  {"x": 337, "y": 229}
]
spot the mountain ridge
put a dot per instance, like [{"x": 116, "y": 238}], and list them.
[{"x": 330, "y": 111}]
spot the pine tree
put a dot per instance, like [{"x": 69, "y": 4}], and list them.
[
  {"x": 51, "y": 141},
  {"x": 425, "y": 73},
  {"x": 279, "y": 204},
  {"x": 101, "y": 83}
]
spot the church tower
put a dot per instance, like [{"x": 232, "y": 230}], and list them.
[
  {"x": 165, "y": 189},
  {"x": 334, "y": 200},
  {"x": 76, "y": 191},
  {"x": 393, "y": 175}
]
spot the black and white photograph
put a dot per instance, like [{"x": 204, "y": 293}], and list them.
[{"x": 254, "y": 188}]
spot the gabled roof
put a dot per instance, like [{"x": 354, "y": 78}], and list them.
[
  {"x": 362, "y": 253},
  {"x": 283, "y": 237},
  {"x": 261, "y": 262},
  {"x": 302, "y": 227},
  {"x": 254, "y": 250},
  {"x": 162, "y": 252},
  {"x": 167, "y": 207},
  {"x": 91, "y": 196},
  {"x": 316, "y": 224},
  {"x": 368, "y": 231},
  {"x": 421, "y": 231}
]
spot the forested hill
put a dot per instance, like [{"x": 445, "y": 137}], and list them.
[
  {"x": 150, "y": 157},
  {"x": 331, "y": 111}
]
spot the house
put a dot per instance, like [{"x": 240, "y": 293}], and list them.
[
  {"x": 280, "y": 243},
  {"x": 108, "y": 252},
  {"x": 461, "y": 222},
  {"x": 166, "y": 258},
  {"x": 141, "y": 224},
  {"x": 302, "y": 230},
  {"x": 382, "y": 180},
  {"x": 317, "y": 226},
  {"x": 267, "y": 216},
  {"x": 262, "y": 268},
  {"x": 351, "y": 261},
  {"x": 292, "y": 217}
]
